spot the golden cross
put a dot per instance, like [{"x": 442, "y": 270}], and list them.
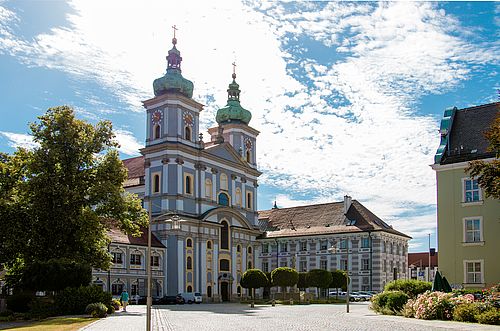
[{"x": 175, "y": 29}]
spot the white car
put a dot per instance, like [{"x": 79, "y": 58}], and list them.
[{"x": 190, "y": 297}]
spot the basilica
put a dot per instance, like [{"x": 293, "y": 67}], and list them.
[{"x": 203, "y": 199}]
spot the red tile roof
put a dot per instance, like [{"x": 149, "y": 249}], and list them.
[
  {"x": 327, "y": 218},
  {"x": 135, "y": 166},
  {"x": 422, "y": 259},
  {"x": 119, "y": 237}
]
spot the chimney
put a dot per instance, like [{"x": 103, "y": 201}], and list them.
[{"x": 347, "y": 203}]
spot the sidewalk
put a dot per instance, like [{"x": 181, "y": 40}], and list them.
[{"x": 134, "y": 319}]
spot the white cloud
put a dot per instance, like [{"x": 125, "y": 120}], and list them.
[
  {"x": 352, "y": 129},
  {"x": 19, "y": 140},
  {"x": 128, "y": 143}
]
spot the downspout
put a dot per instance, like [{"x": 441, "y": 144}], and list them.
[{"x": 371, "y": 260}]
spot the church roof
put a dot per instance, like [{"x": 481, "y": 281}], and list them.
[
  {"x": 233, "y": 112},
  {"x": 463, "y": 138},
  {"x": 118, "y": 237},
  {"x": 327, "y": 218},
  {"x": 135, "y": 167}
]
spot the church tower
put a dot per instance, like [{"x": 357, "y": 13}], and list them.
[{"x": 233, "y": 126}]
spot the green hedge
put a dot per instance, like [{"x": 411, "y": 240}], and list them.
[
  {"x": 389, "y": 303},
  {"x": 74, "y": 300},
  {"x": 465, "y": 312},
  {"x": 490, "y": 316},
  {"x": 411, "y": 287}
]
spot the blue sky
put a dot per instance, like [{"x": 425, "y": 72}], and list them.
[{"x": 347, "y": 95}]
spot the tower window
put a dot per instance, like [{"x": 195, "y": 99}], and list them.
[
  {"x": 249, "y": 200},
  {"x": 187, "y": 133},
  {"x": 156, "y": 131},
  {"x": 189, "y": 242},
  {"x": 249, "y": 157},
  {"x": 188, "y": 184},
  {"x": 189, "y": 263},
  {"x": 224, "y": 265},
  {"x": 156, "y": 183}
]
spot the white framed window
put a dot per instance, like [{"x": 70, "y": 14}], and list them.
[
  {"x": 343, "y": 264},
  {"x": 323, "y": 245},
  {"x": 135, "y": 258},
  {"x": 303, "y": 246},
  {"x": 473, "y": 229},
  {"x": 343, "y": 244},
  {"x": 323, "y": 264},
  {"x": 303, "y": 266},
  {"x": 223, "y": 182},
  {"x": 188, "y": 184},
  {"x": 283, "y": 247},
  {"x": 365, "y": 242},
  {"x": 117, "y": 257},
  {"x": 238, "y": 197},
  {"x": 208, "y": 189},
  {"x": 155, "y": 261},
  {"x": 265, "y": 266},
  {"x": 156, "y": 182},
  {"x": 365, "y": 264},
  {"x": 473, "y": 271},
  {"x": 472, "y": 192}
]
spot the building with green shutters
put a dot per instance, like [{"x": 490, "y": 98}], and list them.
[{"x": 468, "y": 222}]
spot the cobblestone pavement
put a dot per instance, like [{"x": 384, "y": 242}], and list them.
[{"x": 242, "y": 317}]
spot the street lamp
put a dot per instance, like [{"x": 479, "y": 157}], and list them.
[
  {"x": 175, "y": 225},
  {"x": 334, "y": 250}
]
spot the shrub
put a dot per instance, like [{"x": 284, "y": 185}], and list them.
[
  {"x": 430, "y": 305},
  {"x": 111, "y": 309},
  {"x": 490, "y": 316},
  {"x": 19, "y": 302},
  {"x": 74, "y": 300},
  {"x": 97, "y": 309},
  {"x": 6, "y": 313},
  {"x": 465, "y": 312},
  {"x": 41, "y": 308},
  {"x": 411, "y": 287},
  {"x": 116, "y": 304},
  {"x": 389, "y": 303}
]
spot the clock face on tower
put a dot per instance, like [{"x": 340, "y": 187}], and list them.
[
  {"x": 188, "y": 119},
  {"x": 157, "y": 116}
]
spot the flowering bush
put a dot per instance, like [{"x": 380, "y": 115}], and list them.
[{"x": 430, "y": 305}]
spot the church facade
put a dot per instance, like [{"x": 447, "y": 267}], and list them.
[{"x": 203, "y": 200}]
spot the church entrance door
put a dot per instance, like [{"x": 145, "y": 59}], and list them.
[{"x": 224, "y": 291}]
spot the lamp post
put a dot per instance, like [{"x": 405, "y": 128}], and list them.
[
  {"x": 333, "y": 250},
  {"x": 175, "y": 225}
]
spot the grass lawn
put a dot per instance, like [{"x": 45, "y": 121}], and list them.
[{"x": 57, "y": 324}]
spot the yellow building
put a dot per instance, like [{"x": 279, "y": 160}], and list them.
[{"x": 468, "y": 222}]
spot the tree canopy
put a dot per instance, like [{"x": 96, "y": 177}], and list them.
[
  {"x": 284, "y": 276},
  {"x": 319, "y": 278},
  {"x": 254, "y": 278},
  {"x": 302, "y": 282},
  {"x": 58, "y": 199},
  {"x": 488, "y": 173},
  {"x": 339, "y": 279}
]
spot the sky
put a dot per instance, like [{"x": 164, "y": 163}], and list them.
[{"x": 347, "y": 96}]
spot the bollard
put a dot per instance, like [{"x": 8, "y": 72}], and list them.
[{"x": 273, "y": 303}]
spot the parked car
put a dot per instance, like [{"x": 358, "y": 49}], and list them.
[
  {"x": 342, "y": 295},
  {"x": 190, "y": 297},
  {"x": 171, "y": 300},
  {"x": 369, "y": 294}
]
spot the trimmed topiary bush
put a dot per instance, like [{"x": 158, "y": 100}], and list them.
[
  {"x": 389, "y": 303},
  {"x": 490, "y": 316},
  {"x": 411, "y": 287},
  {"x": 97, "y": 309},
  {"x": 465, "y": 312}
]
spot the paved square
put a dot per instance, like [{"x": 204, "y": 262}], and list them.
[{"x": 235, "y": 316}]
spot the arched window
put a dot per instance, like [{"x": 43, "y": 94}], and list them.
[
  {"x": 189, "y": 242},
  {"x": 223, "y": 199},
  {"x": 189, "y": 289},
  {"x": 249, "y": 200},
  {"x": 249, "y": 156},
  {"x": 249, "y": 249},
  {"x": 187, "y": 133},
  {"x": 189, "y": 263},
  {"x": 238, "y": 248},
  {"x": 224, "y": 235},
  {"x": 209, "y": 244},
  {"x": 223, "y": 182},
  {"x": 208, "y": 189},
  {"x": 156, "y": 131},
  {"x": 188, "y": 184},
  {"x": 238, "y": 197},
  {"x": 224, "y": 265},
  {"x": 156, "y": 183},
  {"x": 209, "y": 291}
]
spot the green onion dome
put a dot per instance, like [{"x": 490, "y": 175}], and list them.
[
  {"x": 173, "y": 80},
  {"x": 233, "y": 112}
]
